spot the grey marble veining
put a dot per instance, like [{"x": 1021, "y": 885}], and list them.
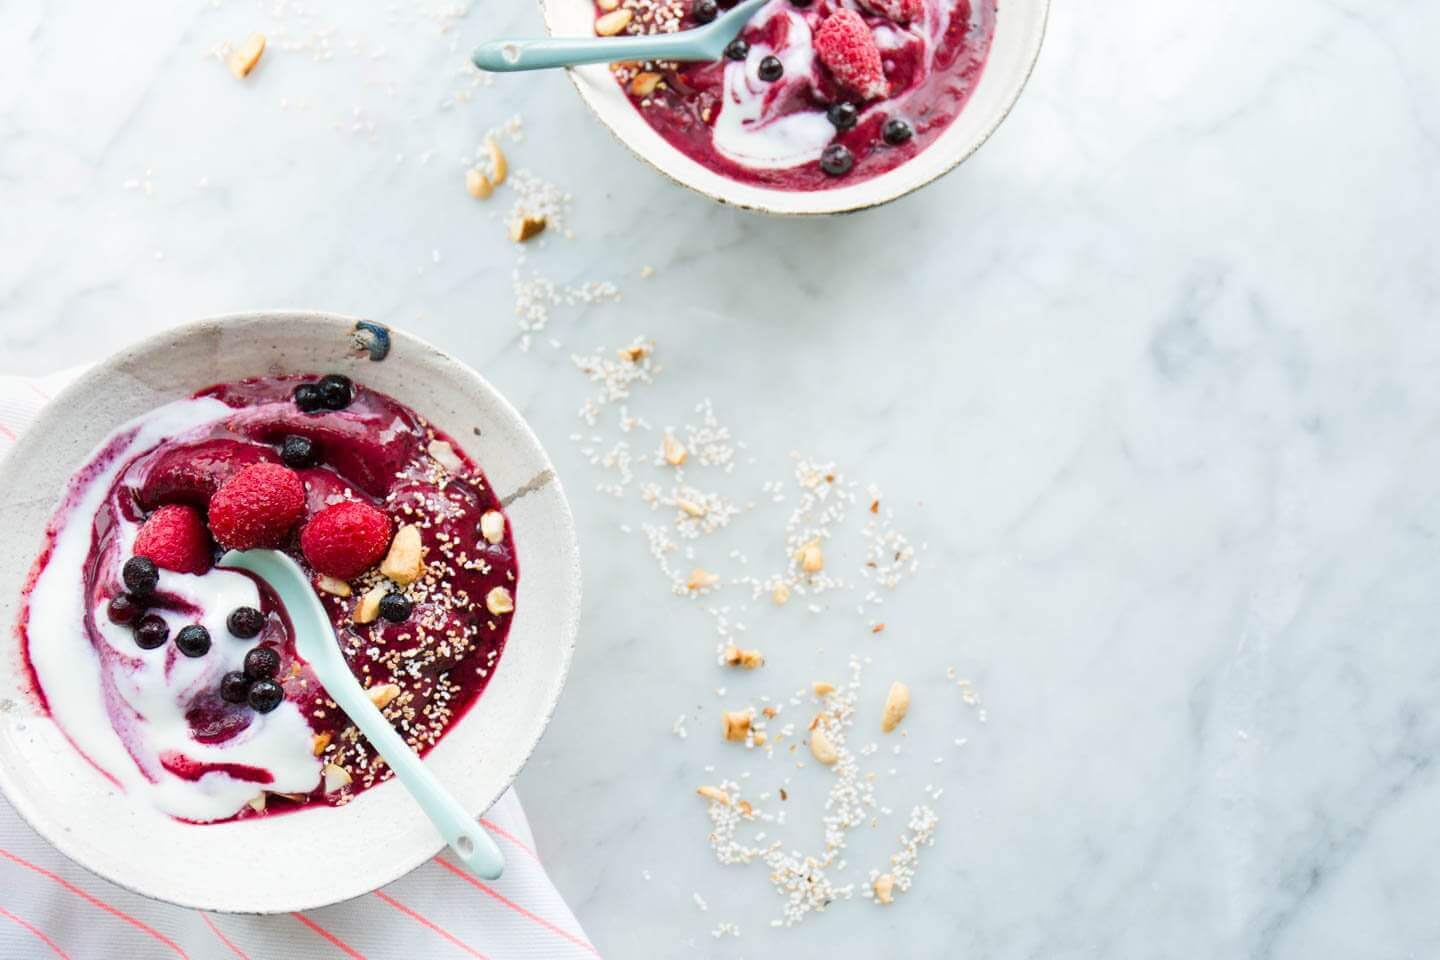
[{"x": 1155, "y": 376}]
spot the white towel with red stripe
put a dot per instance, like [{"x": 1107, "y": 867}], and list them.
[{"x": 49, "y": 907}]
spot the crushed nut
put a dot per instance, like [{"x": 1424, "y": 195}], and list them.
[
  {"x": 499, "y": 601},
  {"x": 737, "y": 724},
  {"x": 673, "y": 450},
  {"x": 499, "y": 169},
  {"x": 746, "y": 810},
  {"x": 369, "y": 606},
  {"x": 477, "y": 184},
  {"x": 822, "y": 688},
  {"x": 700, "y": 579},
  {"x": 609, "y": 24},
  {"x": 749, "y": 659},
  {"x": 608, "y": 5},
  {"x": 759, "y": 738},
  {"x": 319, "y": 742},
  {"x": 714, "y": 794},
  {"x": 244, "y": 57},
  {"x": 690, "y": 507},
  {"x": 526, "y": 226},
  {"x": 810, "y": 557},
  {"x": 406, "y": 560},
  {"x": 644, "y": 83},
  {"x": 492, "y": 526},
  {"x": 336, "y": 777},
  {"x": 257, "y": 803},
  {"x": 770, "y": 713},
  {"x": 822, "y": 748},
  {"x": 333, "y": 585},
  {"x": 780, "y": 594},
  {"x": 884, "y": 888},
  {"x": 382, "y": 694},
  {"x": 635, "y": 352},
  {"x": 897, "y": 704}
]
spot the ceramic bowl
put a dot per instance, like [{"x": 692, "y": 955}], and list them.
[
  {"x": 312, "y": 857},
  {"x": 1019, "y": 29}
]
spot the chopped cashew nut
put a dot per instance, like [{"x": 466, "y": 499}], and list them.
[
  {"x": 897, "y": 703},
  {"x": 737, "y": 724},
  {"x": 406, "y": 560},
  {"x": 336, "y": 777},
  {"x": 780, "y": 594},
  {"x": 822, "y": 688},
  {"x": 700, "y": 579},
  {"x": 884, "y": 888},
  {"x": 244, "y": 57},
  {"x": 499, "y": 169},
  {"x": 524, "y": 227},
  {"x": 382, "y": 694},
  {"x": 499, "y": 601},
  {"x": 822, "y": 748},
  {"x": 369, "y": 606},
  {"x": 714, "y": 794},
  {"x": 644, "y": 83},
  {"x": 333, "y": 585},
  {"x": 319, "y": 742},
  {"x": 749, "y": 659},
  {"x": 673, "y": 450},
  {"x": 609, "y": 24},
  {"x": 811, "y": 559},
  {"x": 690, "y": 507},
  {"x": 492, "y": 526},
  {"x": 257, "y": 803},
  {"x": 477, "y": 184}
]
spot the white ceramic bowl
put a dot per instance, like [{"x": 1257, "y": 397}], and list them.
[
  {"x": 312, "y": 857},
  {"x": 1019, "y": 29}
]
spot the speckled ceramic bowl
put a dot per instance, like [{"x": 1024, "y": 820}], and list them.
[
  {"x": 1019, "y": 30},
  {"x": 312, "y": 857}
]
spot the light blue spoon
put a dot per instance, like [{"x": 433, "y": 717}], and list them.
[
  {"x": 315, "y": 641},
  {"x": 542, "y": 53}
]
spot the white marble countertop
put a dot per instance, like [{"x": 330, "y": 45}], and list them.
[{"x": 1155, "y": 377}]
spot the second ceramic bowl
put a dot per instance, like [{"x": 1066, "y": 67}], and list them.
[
  {"x": 1019, "y": 30},
  {"x": 309, "y": 858}
]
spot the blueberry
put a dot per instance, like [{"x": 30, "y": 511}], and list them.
[
  {"x": 234, "y": 687},
  {"x": 394, "y": 607},
  {"x": 737, "y": 49},
  {"x": 896, "y": 131},
  {"x": 308, "y": 398},
  {"x": 843, "y": 115},
  {"x": 298, "y": 452},
  {"x": 140, "y": 575},
  {"x": 264, "y": 695},
  {"x": 336, "y": 391},
  {"x": 771, "y": 69},
  {"x": 245, "y": 622},
  {"x": 262, "y": 663},
  {"x": 704, "y": 10},
  {"x": 152, "y": 631},
  {"x": 837, "y": 160},
  {"x": 193, "y": 640},
  {"x": 123, "y": 609},
  {"x": 801, "y": 3}
]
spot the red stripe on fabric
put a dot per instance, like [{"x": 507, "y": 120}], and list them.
[
  {"x": 340, "y": 945},
  {"x": 500, "y": 832},
  {"x": 42, "y": 393},
  {"x": 554, "y": 928},
  {"x": 223, "y": 939},
  {"x": 84, "y": 895},
  {"x": 40, "y": 934},
  {"x": 6, "y": 432},
  {"x": 425, "y": 922}
]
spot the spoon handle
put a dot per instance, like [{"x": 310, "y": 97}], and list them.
[{"x": 505, "y": 56}]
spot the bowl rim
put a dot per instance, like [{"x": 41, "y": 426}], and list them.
[
  {"x": 57, "y": 836},
  {"x": 1031, "y": 56}
]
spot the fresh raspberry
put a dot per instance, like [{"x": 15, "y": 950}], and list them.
[
  {"x": 844, "y": 44},
  {"x": 899, "y": 11},
  {"x": 175, "y": 538},
  {"x": 192, "y": 472},
  {"x": 257, "y": 507},
  {"x": 346, "y": 539}
]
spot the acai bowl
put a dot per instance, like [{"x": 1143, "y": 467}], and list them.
[
  {"x": 156, "y": 723},
  {"x": 820, "y": 106}
]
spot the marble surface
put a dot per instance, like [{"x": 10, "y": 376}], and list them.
[{"x": 1155, "y": 377}]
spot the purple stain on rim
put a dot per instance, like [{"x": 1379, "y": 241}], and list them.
[{"x": 372, "y": 338}]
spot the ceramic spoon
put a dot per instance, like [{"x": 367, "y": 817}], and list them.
[
  {"x": 315, "y": 641},
  {"x": 702, "y": 43}
]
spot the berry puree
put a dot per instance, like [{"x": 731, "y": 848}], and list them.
[
  {"x": 813, "y": 94},
  {"x": 179, "y": 680}
]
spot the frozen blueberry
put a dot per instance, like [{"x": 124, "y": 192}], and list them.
[
  {"x": 193, "y": 640},
  {"x": 704, "y": 10},
  {"x": 262, "y": 663},
  {"x": 837, "y": 160},
  {"x": 394, "y": 607},
  {"x": 801, "y": 3},
  {"x": 122, "y": 609},
  {"x": 843, "y": 115},
  {"x": 737, "y": 49},
  {"x": 140, "y": 575},
  {"x": 234, "y": 687},
  {"x": 264, "y": 695},
  {"x": 771, "y": 69},
  {"x": 245, "y": 622},
  {"x": 336, "y": 391},
  {"x": 298, "y": 452},
  {"x": 896, "y": 131},
  {"x": 152, "y": 631},
  {"x": 308, "y": 398}
]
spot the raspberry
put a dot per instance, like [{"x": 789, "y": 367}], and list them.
[
  {"x": 346, "y": 539},
  {"x": 257, "y": 507},
  {"x": 176, "y": 539},
  {"x": 900, "y": 11},
  {"x": 844, "y": 44}
]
